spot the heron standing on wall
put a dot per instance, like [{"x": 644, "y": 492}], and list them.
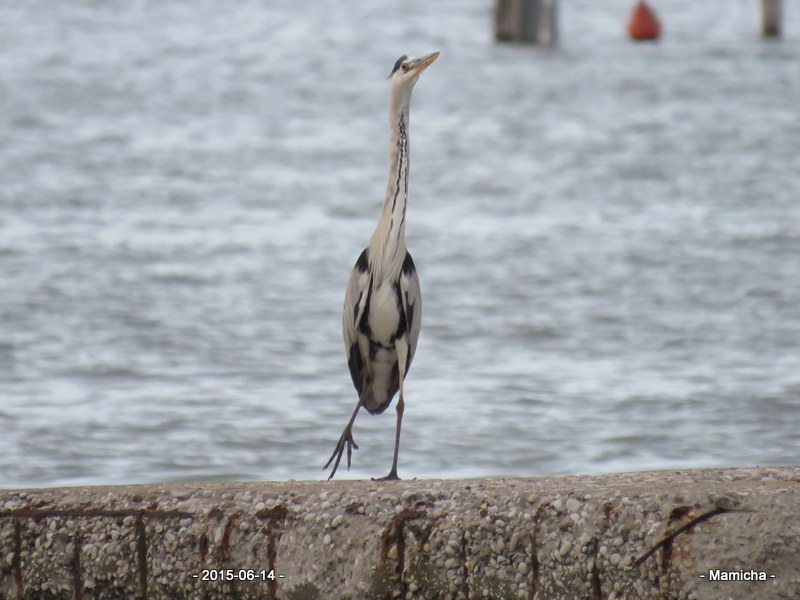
[{"x": 382, "y": 303}]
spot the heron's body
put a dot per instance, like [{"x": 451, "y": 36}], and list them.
[
  {"x": 381, "y": 320},
  {"x": 384, "y": 312}
]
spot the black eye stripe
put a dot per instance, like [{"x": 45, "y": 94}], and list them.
[{"x": 398, "y": 63}]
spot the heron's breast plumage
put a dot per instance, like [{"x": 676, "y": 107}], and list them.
[
  {"x": 384, "y": 314},
  {"x": 385, "y": 383},
  {"x": 380, "y": 326}
]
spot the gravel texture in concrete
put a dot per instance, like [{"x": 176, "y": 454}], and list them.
[{"x": 705, "y": 534}]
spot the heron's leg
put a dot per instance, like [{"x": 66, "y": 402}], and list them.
[
  {"x": 346, "y": 440},
  {"x": 399, "y": 408},
  {"x": 402, "y": 353}
]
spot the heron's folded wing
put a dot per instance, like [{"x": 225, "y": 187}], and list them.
[
  {"x": 355, "y": 299},
  {"x": 412, "y": 304}
]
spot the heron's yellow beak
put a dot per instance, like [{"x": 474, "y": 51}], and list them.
[{"x": 422, "y": 63}]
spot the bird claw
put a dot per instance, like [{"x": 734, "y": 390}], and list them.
[
  {"x": 392, "y": 476},
  {"x": 346, "y": 441}
]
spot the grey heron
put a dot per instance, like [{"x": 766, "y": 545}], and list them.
[{"x": 381, "y": 318}]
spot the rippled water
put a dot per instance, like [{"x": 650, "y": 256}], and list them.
[{"x": 607, "y": 234}]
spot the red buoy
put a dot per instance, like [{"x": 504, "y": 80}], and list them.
[{"x": 644, "y": 24}]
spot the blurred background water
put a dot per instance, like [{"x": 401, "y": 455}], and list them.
[{"x": 607, "y": 235}]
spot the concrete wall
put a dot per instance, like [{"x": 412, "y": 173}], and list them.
[{"x": 642, "y": 535}]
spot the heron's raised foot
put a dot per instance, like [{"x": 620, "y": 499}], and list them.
[{"x": 346, "y": 441}]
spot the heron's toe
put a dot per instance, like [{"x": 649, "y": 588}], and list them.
[{"x": 392, "y": 476}]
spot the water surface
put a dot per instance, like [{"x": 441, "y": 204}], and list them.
[{"x": 607, "y": 236}]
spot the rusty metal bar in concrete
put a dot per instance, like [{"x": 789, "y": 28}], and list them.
[{"x": 732, "y": 533}]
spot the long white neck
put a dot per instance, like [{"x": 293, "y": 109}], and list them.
[{"x": 387, "y": 246}]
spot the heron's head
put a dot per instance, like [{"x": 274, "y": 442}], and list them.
[{"x": 407, "y": 69}]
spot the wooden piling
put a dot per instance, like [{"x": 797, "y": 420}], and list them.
[
  {"x": 527, "y": 21},
  {"x": 771, "y": 18}
]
